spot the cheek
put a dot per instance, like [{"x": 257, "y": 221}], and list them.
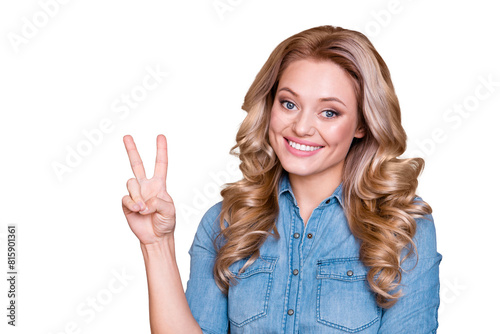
[
  {"x": 341, "y": 135},
  {"x": 275, "y": 123}
]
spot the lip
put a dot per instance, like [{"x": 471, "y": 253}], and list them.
[
  {"x": 302, "y": 142},
  {"x": 300, "y": 153}
]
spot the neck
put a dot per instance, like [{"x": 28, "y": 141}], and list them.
[{"x": 311, "y": 190}]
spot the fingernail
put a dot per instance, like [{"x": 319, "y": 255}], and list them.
[
  {"x": 143, "y": 205},
  {"x": 136, "y": 207},
  {"x": 144, "y": 211}
]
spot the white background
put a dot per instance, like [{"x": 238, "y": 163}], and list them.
[{"x": 69, "y": 74}]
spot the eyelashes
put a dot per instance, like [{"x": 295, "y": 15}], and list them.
[
  {"x": 289, "y": 105},
  {"x": 332, "y": 113}
]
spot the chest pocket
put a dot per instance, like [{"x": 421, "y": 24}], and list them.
[
  {"x": 344, "y": 299},
  {"x": 248, "y": 300}
]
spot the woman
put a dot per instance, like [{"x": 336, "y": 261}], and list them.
[{"x": 324, "y": 233}]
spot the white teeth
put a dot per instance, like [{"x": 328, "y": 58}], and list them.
[{"x": 303, "y": 147}]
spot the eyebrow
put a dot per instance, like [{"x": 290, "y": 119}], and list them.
[{"x": 324, "y": 99}]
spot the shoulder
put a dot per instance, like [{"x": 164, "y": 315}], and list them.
[
  {"x": 212, "y": 213},
  {"x": 425, "y": 237},
  {"x": 207, "y": 230},
  {"x": 210, "y": 222}
]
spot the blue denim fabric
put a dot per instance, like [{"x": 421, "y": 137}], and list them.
[{"x": 328, "y": 293}]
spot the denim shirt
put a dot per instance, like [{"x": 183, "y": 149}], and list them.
[{"x": 310, "y": 280}]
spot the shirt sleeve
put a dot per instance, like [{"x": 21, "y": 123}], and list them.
[
  {"x": 417, "y": 310},
  {"x": 207, "y": 303}
]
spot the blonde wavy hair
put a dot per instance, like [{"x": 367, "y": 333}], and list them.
[{"x": 378, "y": 187}]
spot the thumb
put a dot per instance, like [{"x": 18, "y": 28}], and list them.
[{"x": 162, "y": 207}]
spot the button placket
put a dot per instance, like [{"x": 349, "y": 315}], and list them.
[
  {"x": 296, "y": 236},
  {"x": 295, "y": 272},
  {"x": 313, "y": 227},
  {"x": 296, "y": 244}
]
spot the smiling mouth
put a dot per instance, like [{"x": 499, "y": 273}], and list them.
[{"x": 300, "y": 147}]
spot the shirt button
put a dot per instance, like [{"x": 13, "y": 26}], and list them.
[
  {"x": 296, "y": 235},
  {"x": 327, "y": 201},
  {"x": 350, "y": 273},
  {"x": 290, "y": 312},
  {"x": 309, "y": 235},
  {"x": 295, "y": 272}
]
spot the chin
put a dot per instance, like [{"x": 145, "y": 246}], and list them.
[{"x": 296, "y": 170}]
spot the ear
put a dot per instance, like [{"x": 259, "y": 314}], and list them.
[{"x": 360, "y": 132}]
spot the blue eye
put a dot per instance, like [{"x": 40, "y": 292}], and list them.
[
  {"x": 330, "y": 113},
  {"x": 288, "y": 105}
]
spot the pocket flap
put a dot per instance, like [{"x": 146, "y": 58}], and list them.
[
  {"x": 345, "y": 269},
  {"x": 262, "y": 265}
]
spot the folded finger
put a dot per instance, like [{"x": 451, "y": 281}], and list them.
[
  {"x": 164, "y": 208},
  {"x": 134, "y": 190},
  {"x": 128, "y": 203}
]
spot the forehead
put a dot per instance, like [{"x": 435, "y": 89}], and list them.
[{"x": 316, "y": 79}]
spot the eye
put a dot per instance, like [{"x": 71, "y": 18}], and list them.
[
  {"x": 287, "y": 104},
  {"x": 330, "y": 113}
]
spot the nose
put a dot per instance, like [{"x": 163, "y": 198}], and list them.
[{"x": 303, "y": 124}]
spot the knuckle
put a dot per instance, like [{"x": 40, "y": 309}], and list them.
[
  {"x": 154, "y": 201},
  {"x": 130, "y": 181}
]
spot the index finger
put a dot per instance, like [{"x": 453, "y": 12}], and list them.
[
  {"x": 161, "y": 158},
  {"x": 134, "y": 157}
]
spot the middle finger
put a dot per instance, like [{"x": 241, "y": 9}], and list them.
[{"x": 161, "y": 158}]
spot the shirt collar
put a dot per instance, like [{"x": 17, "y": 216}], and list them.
[{"x": 285, "y": 186}]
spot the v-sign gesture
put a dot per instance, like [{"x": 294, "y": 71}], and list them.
[{"x": 148, "y": 207}]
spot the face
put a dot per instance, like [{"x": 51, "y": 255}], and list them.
[{"x": 314, "y": 118}]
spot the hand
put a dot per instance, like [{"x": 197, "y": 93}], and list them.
[{"x": 149, "y": 209}]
